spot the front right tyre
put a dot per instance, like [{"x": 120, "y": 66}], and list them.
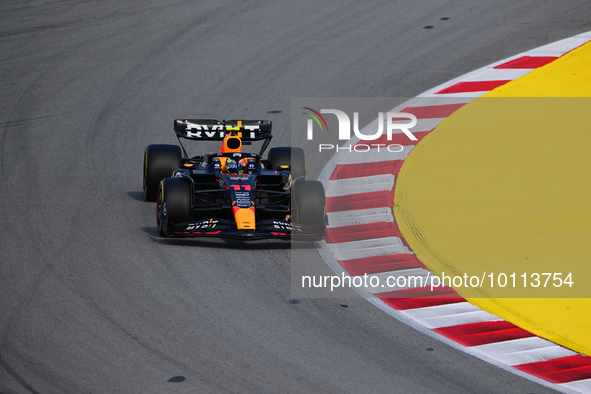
[{"x": 173, "y": 204}]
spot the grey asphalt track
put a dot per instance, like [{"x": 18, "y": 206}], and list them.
[{"x": 93, "y": 301}]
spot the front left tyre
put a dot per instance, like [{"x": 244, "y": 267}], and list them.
[
  {"x": 159, "y": 163},
  {"x": 309, "y": 205},
  {"x": 173, "y": 204}
]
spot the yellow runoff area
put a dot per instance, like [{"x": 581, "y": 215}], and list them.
[{"x": 504, "y": 186}]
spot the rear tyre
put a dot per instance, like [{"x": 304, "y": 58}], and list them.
[
  {"x": 173, "y": 203},
  {"x": 309, "y": 205},
  {"x": 286, "y": 156},
  {"x": 159, "y": 163}
]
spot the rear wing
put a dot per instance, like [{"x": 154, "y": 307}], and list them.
[{"x": 216, "y": 130}]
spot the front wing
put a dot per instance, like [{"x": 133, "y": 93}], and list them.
[{"x": 227, "y": 229}]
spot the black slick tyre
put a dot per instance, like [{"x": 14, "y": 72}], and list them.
[
  {"x": 159, "y": 163},
  {"x": 309, "y": 205},
  {"x": 286, "y": 156},
  {"x": 173, "y": 204}
]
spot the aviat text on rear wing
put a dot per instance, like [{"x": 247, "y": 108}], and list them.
[{"x": 216, "y": 130}]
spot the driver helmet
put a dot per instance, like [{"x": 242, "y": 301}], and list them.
[
  {"x": 243, "y": 166},
  {"x": 231, "y": 166}
]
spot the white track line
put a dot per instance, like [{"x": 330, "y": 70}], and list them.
[
  {"x": 368, "y": 184},
  {"x": 361, "y": 216}
]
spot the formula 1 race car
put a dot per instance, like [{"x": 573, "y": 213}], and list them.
[{"x": 231, "y": 193}]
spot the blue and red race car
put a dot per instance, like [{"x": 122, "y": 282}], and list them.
[{"x": 231, "y": 193}]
